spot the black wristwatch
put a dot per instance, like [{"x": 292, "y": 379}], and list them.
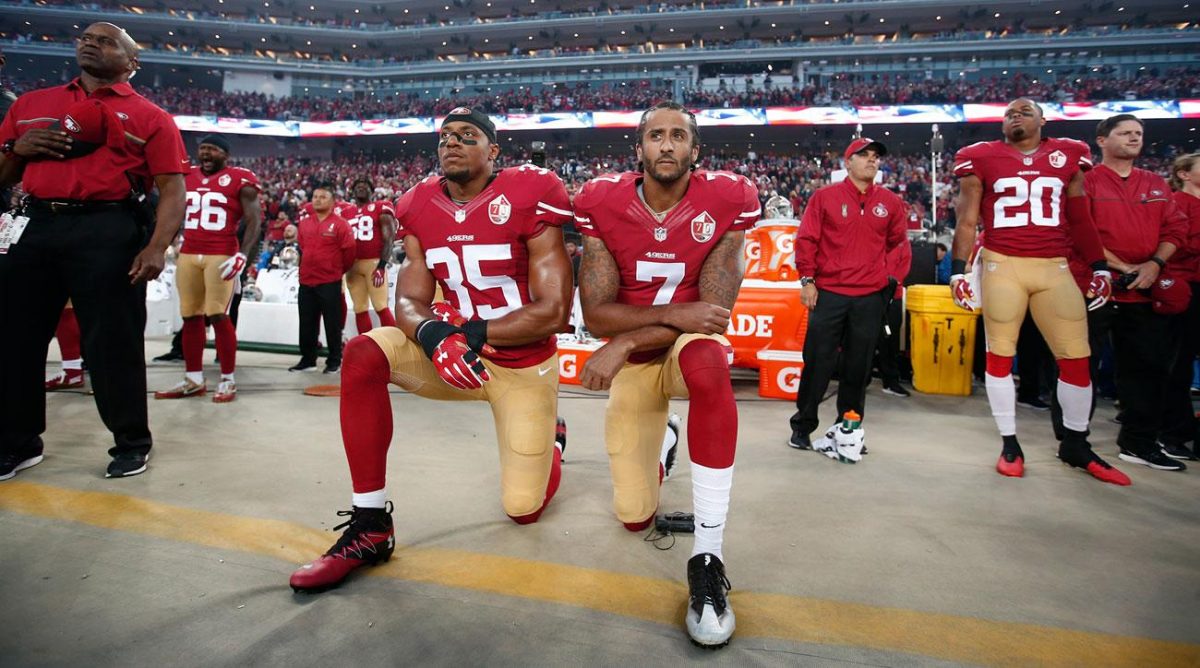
[
  {"x": 1162, "y": 264},
  {"x": 7, "y": 148},
  {"x": 806, "y": 281}
]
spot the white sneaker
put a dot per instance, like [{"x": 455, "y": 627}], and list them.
[
  {"x": 710, "y": 621},
  {"x": 670, "y": 447},
  {"x": 850, "y": 445},
  {"x": 825, "y": 445}
]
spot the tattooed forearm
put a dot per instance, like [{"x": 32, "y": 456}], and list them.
[
  {"x": 598, "y": 275},
  {"x": 721, "y": 275}
]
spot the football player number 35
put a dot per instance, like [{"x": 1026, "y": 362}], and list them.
[
  {"x": 468, "y": 273},
  {"x": 1037, "y": 201},
  {"x": 205, "y": 211}
]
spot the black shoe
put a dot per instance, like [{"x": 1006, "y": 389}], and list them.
[
  {"x": 332, "y": 367},
  {"x": 169, "y": 356},
  {"x": 1178, "y": 451},
  {"x": 896, "y": 390},
  {"x": 1154, "y": 458},
  {"x": 1034, "y": 403},
  {"x": 127, "y": 464},
  {"x": 12, "y": 462},
  {"x": 303, "y": 366},
  {"x": 709, "y": 618},
  {"x": 800, "y": 441}
]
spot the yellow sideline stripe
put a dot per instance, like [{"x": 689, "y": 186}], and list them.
[{"x": 791, "y": 618}]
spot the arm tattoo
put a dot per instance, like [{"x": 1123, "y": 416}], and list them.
[
  {"x": 598, "y": 275},
  {"x": 721, "y": 275}
]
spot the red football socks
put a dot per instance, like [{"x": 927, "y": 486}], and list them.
[
  {"x": 712, "y": 409},
  {"x": 68, "y": 335},
  {"x": 363, "y": 322},
  {"x": 193, "y": 343},
  {"x": 366, "y": 413},
  {"x": 226, "y": 344}
]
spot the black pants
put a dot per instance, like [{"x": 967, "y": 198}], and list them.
[
  {"x": 1179, "y": 417},
  {"x": 853, "y": 323},
  {"x": 887, "y": 351},
  {"x": 86, "y": 258},
  {"x": 1145, "y": 345},
  {"x": 1034, "y": 361},
  {"x": 316, "y": 302}
]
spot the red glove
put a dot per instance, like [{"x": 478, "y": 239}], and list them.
[
  {"x": 1100, "y": 289},
  {"x": 233, "y": 266},
  {"x": 474, "y": 330},
  {"x": 446, "y": 313},
  {"x": 379, "y": 277},
  {"x": 456, "y": 363},
  {"x": 960, "y": 288}
]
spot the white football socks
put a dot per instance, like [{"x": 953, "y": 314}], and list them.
[
  {"x": 376, "y": 499},
  {"x": 73, "y": 365},
  {"x": 1076, "y": 405},
  {"x": 196, "y": 377},
  {"x": 1002, "y": 395},
  {"x": 710, "y": 502},
  {"x": 227, "y": 376}
]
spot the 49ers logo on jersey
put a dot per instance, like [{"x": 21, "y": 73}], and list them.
[
  {"x": 499, "y": 210},
  {"x": 224, "y": 180},
  {"x": 1058, "y": 159},
  {"x": 703, "y": 227},
  {"x": 71, "y": 124},
  {"x": 880, "y": 210}
]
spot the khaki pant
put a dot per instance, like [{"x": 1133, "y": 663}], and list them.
[
  {"x": 524, "y": 407},
  {"x": 1044, "y": 287},
  {"x": 201, "y": 289},
  {"x": 359, "y": 282}
]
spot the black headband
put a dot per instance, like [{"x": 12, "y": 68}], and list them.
[
  {"x": 474, "y": 117},
  {"x": 216, "y": 140}
]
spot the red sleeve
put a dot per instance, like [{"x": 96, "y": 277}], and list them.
[
  {"x": 1174, "y": 228},
  {"x": 554, "y": 206},
  {"x": 164, "y": 149},
  {"x": 584, "y": 206},
  {"x": 899, "y": 256},
  {"x": 400, "y": 211},
  {"x": 250, "y": 179},
  {"x": 897, "y": 232},
  {"x": 809, "y": 236},
  {"x": 347, "y": 244},
  {"x": 751, "y": 209},
  {"x": 1084, "y": 236},
  {"x": 964, "y": 162}
]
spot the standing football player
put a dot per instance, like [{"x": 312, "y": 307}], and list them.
[
  {"x": 1028, "y": 192},
  {"x": 492, "y": 241},
  {"x": 211, "y": 257},
  {"x": 374, "y": 226},
  {"x": 661, "y": 269}
]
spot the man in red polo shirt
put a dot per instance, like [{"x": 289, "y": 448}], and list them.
[
  {"x": 847, "y": 231},
  {"x": 85, "y": 153},
  {"x": 1141, "y": 227},
  {"x": 326, "y": 252}
]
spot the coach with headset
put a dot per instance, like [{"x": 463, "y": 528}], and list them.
[{"x": 86, "y": 154}]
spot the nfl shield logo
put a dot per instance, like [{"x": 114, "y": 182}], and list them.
[
  {"x": 460, "y": 215},
  {"x": 1058, "y": 159},
  {"x": 1028, "y": 161},
  {"x": 499, "y": 210},
  {"x": 703, "y": 227},
  {"x": 660, "y": 234}
]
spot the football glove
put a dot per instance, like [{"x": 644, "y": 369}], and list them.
[
  {"x": 1100, "y": 289},
  {"x": 446, "y": 346},
  {"x": 964, "y": 296},
  {"x": 379, "y": 276},
  {"x": 474, "y": 330},
  {"x": 233, "y": 266}
]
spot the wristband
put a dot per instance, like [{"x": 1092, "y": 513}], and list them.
[
  {"x": 1100, "y": 265},
  {"x": 476, "y": 331},
  {"x": 431, "y": 332},
  {"x": 1162, "y": 264},
  {"x": 958, "y": 267},
  {"x": 382, "y": 264}
]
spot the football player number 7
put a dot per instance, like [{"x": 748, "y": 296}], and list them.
[
  {"x": 468, "y": 272},
  {"x": 1043, "y": 196},
  {"x": 670, "y": 272}
]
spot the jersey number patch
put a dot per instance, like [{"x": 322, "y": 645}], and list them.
[
  {"x": 671, "y": 273},
  {"x": 1037, "y": 201},
  {"x": 205, "y": 211},
  {"x": 467, "y": 273},
  {"x": 363, "y": 227}
]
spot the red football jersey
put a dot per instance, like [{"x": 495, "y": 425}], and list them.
[
  {"x": 1024, "y": 196},
  {"x": 660, "y": 261},
  {"x": 477, "y": 251},
  {"x": 214, "y": 210},
  {"x": 368, "y": 228}
]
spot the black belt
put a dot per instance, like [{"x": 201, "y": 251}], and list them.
[{"x": 75, "y": 206}]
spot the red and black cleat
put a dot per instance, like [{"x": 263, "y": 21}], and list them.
[
  {"x": 1077, "y": 452},
  {"x": 1011, "y": 465},
  {"x": 369, "y": 539},
  {"x": 560, "y": 437}
]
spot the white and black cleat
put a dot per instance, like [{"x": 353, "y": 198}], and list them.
[
  {"x": 710, "y": 621},
  {"x": 670, "y": 447}
]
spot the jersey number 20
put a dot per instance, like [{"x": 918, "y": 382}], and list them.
[{"x": 1038, "y": 201}]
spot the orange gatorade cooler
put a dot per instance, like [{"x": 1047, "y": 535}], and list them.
[
  {"x": 572, "y": 357},
  {"x": 779, "y": 373},
  {"x": 773, "y": 242},
  {"x": 942, "y": 340},
  {"x": 766, "y": 313}
]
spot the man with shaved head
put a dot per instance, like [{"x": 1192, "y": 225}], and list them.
[
  {"x": 1027, "y": 192},
  {"x": 86, "y": 153}
]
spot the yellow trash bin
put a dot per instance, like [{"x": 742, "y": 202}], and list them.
[{"x": 942, "y": 341}]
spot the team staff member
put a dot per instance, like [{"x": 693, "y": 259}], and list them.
[
  {"x": 887, "y": 350},
  {"x": 847, "y": 231},
  {"x": 374, "y": 226},
  {"x": 85, "y": 240},
  {"x": 1141, "y": 227},
  {"x": 326, "y": 252},
  {"x": 1179, "y": 419},
  {"x": 210, "y": 262}
]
